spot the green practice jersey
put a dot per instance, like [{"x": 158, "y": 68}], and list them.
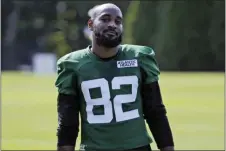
[{"x": 109, "y": 95}]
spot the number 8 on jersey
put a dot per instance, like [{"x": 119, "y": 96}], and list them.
[{"x": 116, "y": 104}]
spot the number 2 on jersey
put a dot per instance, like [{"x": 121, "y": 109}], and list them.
[{"x": 109, "y": 106}]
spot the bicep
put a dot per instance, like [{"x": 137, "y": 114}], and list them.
[
  {"x": 152, "y": 93},
  {"x": 152, "y": 99}
]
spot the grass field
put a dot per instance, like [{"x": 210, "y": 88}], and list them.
[{"x": 195, "y": 103}]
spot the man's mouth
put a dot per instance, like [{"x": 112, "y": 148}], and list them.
[{"x": 113, "y": 33}]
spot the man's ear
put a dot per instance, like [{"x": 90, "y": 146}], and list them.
[{"x": 90, "y": 24}]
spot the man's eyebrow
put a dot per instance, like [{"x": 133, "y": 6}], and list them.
[
  {"x": 105, "y": 15},
  {"x": 108, "y": 15}
]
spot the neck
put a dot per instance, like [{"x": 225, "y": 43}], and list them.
[{"x": 103, "y": 52}]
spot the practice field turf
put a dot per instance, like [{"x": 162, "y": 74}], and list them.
[{"x": 195, "y": 103}]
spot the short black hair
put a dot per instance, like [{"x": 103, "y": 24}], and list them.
[{"x": 92, "y": 13}]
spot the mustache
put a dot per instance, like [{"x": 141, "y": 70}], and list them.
[
  {"x": 103, "y": 32},
  {"x": 110, "y": 30}
]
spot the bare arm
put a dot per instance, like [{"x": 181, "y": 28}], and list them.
[
  {"x": 68, "y": 120},
  {"x": 155, "y": 115}
]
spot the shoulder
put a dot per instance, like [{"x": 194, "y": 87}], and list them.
[
  {"x": 74, "y": 56},
  {"x": 146, "y": 60},
  {"x": 138, "y": 51},
  {"x": 72, "y": 59}
]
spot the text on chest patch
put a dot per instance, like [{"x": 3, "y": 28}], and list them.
[{"x": 127, "y": 63}]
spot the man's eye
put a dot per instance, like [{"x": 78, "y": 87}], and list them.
[{"x": 118, "y": 21}]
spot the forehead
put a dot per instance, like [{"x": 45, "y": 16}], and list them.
[{"x": 110, "y": 11}]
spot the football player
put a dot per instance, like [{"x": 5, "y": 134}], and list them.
[{"x": 114, "y": 88}]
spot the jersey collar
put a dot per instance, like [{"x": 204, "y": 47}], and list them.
[{"x": 95, "y": 57}]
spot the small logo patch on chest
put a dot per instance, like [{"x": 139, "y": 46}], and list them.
[{"x": 127, "y": 63}]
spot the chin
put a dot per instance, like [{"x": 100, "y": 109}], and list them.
[{"x": 109, "y": 43}]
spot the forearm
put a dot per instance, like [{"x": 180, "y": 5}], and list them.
[
  {"x": 161, "y": 131},
  {"x": 67, "y": 135},
  {"x": 65, "y": 148},
  {"x": 68, "y": 122},
  {"x": 169, "y": 148},
  {"x": 155, "y": 115}
]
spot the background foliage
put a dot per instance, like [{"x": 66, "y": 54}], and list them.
[{"x": 186, "y": 35}]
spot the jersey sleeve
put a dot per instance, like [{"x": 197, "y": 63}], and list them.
[
  {"x": 149, "y": 65},
  {"x": 66, "y": 79}
]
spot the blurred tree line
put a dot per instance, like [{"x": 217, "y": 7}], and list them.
[
  {"x": 186, "y": 35},
  {"x": 43, "y": 26}
]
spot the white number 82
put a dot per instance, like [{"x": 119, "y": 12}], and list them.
[{"x": 105, "y": 99}]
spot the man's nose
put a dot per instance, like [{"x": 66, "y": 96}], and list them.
[{"x": 112, "y": 25}]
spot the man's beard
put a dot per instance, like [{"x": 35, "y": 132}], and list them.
[{"x": 107, "y": 42}]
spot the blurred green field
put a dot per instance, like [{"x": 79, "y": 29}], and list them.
[{"x": 195, "y": 103}]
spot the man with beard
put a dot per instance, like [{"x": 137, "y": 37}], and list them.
[{"x": 115, "y": 89}]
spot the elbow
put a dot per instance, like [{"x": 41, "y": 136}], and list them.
[
  {"x": 155, "y": 113},
  {"x": 67, "y": 131}
]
